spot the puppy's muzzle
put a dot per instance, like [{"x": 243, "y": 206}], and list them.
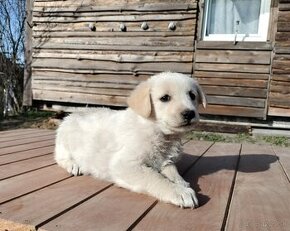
[{"x": 188, "y": 115}]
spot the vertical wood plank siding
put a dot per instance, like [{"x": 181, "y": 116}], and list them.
[
  {"x": 80, "y": 54},
  {"x": 279, "y": 98}
]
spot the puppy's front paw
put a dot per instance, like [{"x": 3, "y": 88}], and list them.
[{"x": 185, "y": 197}]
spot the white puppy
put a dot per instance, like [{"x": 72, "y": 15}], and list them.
[{"x": 136, "y": 148}]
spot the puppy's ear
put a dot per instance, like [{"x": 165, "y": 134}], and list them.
[
  {"x": 139, "y": 100},
  {"x": 202, "y": 96}
]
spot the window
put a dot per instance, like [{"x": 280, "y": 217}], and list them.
[{"x": 236, "y": 20}]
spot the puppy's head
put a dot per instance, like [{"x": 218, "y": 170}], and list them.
[{"x": 171, "y": 99}]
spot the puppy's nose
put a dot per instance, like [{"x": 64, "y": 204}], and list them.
[{"x": 188, "y": 115}]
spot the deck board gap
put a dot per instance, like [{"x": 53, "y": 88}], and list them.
[
  {"x": 192, "y": 165},
  {"x": 281, "y": 165},
  {"x": 32, "y": 170},
  {"x": 32, "y": 157},
  {"x": 29, "y": 149},
  {"x": 134, "y": 224},
  {"x": 72, "y": 207},
  {"x": 35, "y": 190},
  {"x": 52, "y": 137},
  {"x": 228, "y": 206}
]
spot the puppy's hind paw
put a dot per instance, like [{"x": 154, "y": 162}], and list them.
[{"x": 75, "y": 170}]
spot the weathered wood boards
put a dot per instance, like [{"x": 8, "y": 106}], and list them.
[
  {"x": 239, "y": 186},
  {"x": 261, "y": 194},
  {"x": 234, "y": 78},
  {"x": 99, "y": 60},
  {"x": 91, "y": 53},
  {"x": 279, "y": 97}
]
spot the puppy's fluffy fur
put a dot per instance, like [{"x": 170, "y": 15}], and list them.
[{"x": 136, "y": 148}]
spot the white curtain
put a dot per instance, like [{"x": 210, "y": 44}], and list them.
[{"x": 229, "y": 16}]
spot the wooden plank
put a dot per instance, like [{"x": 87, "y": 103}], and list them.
[
  {"x": 40, "y": 206},
  {"x": 112, "y": 29},
  {"x": 99, "y": 72},
  {"x": 114, "y": 18},
  {"x": 119, "y": 41},
  {"x": 72, "y": 97},
  {"x": 19, "y": 131},
  {"x": 284, "y": 158},
  {"x": 261, "y": 194},
  {"x": 112, "y": 204},
  {"x": 236, "y": 101},
  {"x": 281, "y": 67},
  {"x": 89, "y": 83},
  {"x": 73, "y": 6},
  {"x": 283, "y": 36},
  {"x": 114, "y": 91},
  {"x": 253, "y": 83},
  {"x": 49, "y": 45},
  {"x": 118, "y": 58},
  {"x": 281, "y": 101},
  {"x": 284, "y": 16},
  {"x": 24, "y": 155},
  {"x": 116, "y": 78},
  {"x": 56, "y": 12},
  {"x": 283, "y": 26},
  {"x": 235, "y": 91},
  {"x": 26, "y": 183},
  {"x": 111, "y": 66},
  {"x": 233, "y": 111},
  {"x": 276, "y": 111},
  {"x": 281, "y": 78},
  {"x": 243, "y": 68},
  {"x": 280, "y": 88},
  {"x": 230, "y": 75},
  {"x": 27, "y": 140},
  {"x": 282, "y": 48},
  {"x": 212, "y": 177},
  {"x": 13, "y": 169},
  {"x": 228, "y": 45},
  {"x": 16, "y": 136},
  {"x": 103, "y": 31},
  {"x": 232, "y": 56},
  {"x": 26, "y": 147},
  {"x": 284, "y": 6}
]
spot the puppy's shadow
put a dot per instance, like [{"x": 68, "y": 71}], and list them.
[{"x": 208, "y": 165}]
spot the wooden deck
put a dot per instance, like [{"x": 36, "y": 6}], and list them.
[{"x": 239, "y": 186}]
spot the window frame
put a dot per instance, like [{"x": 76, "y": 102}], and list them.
[{"x": 261, "y": 36}]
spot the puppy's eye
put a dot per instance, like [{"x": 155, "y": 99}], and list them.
[
  {"x": 192, "y": 95},
  {"x": 165, "y": 98}
]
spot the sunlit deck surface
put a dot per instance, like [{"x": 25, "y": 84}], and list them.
[{"x": 239, "y": 186}]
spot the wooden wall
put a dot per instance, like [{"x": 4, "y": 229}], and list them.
[
  {"x": 74, "y": 64},
  {"x": 235, "y": 77},
  {"x": 279, "y": 98},
  {"x": 81, "y": 55}
]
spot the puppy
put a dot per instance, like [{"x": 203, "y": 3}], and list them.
[{"x": 136, "y": 148}]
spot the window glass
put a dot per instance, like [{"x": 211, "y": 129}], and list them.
[{"x": 245, "y": 18}]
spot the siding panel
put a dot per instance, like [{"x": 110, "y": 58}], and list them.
[
  {"x": 73, "y": 64},
  {"x": 280, "y": 83},
  {"x": 234, "y": 78}
]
